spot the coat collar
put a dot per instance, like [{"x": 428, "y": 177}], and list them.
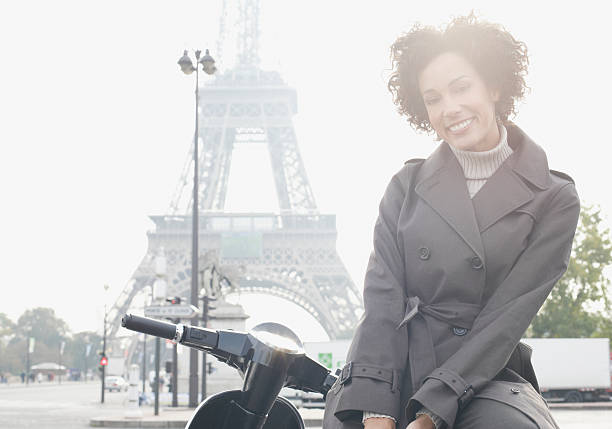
[
  {"x": 528, "y": 159},
  {"x": 441, "y": 183}
]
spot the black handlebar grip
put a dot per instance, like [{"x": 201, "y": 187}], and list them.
[{"x": 145, "y": 325}]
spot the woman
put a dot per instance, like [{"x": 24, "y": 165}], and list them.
[{"x": 467, "y": 246}]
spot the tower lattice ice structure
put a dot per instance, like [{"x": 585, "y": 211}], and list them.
[{"x": 290, "y": 254}]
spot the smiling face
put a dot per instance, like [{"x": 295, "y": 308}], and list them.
[{"x": 460, "y": 107}]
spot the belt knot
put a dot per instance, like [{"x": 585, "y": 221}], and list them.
[{"x": 412, "y": 308}]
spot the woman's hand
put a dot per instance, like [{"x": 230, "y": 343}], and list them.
[
  {"x": 379, "y": 423},
  {"x": 422, "y": 422}
]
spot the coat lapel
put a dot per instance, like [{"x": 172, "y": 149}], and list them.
[
  {"x": 506, "y": 190},
  {"x": 503, "y": 193},
  {"x": 442, "y": 186}
]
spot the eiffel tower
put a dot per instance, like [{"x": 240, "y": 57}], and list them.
[{"x": 290, "y": 254}]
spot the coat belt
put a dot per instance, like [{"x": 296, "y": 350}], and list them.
[{"x": 421, "y": 353}]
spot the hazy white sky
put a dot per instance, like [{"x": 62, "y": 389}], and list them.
[{"x": 97, "y": 119}]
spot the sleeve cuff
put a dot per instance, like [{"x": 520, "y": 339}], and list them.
[
  {"x": 437, "y": 421},
  {"x": 350, "y": 398},
  {"x": 370, "y": 414},
  {"x": 436, "y": 397}
]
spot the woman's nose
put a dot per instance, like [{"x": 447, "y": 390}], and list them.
[{"x": 450, "y": 107}]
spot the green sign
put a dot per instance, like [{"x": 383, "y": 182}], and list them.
[{"x": 325, "y": 359}]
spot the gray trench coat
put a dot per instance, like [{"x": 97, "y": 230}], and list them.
[{"x": 451, "y": 286}]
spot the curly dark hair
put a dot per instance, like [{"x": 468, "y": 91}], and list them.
[{"x": 500, "y": 59}]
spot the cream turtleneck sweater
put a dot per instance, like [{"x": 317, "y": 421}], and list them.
[{"x": 477, "y": 168}]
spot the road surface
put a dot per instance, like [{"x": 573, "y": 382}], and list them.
[{"x": 72, "y": 405}]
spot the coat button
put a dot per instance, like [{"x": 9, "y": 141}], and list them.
[
  {"x": 476, "y": 263},
  {"x": 515, "y": 390},
  {"x": 424, "y": 253},
  {"x": 460, "y": 332}
]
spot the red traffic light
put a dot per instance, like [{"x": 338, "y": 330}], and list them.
[
  {"x": 175, "y": 300},
  {"x": 104, "y": 361}
]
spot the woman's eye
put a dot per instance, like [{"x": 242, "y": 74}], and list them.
[
  {"x": 431, "y": 101},
  {"x": 462, "y": 88}
]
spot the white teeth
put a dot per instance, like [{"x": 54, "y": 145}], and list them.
[{"x": 460, "y": 125}]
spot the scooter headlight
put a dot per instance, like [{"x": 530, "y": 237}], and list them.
[{"x": 279, "y": 337}]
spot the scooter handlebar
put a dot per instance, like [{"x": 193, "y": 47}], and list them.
[
  {"x": 150, "y": 326},
  {"x": 191, "y": 336},
  {"x": 232, "y": 348}
]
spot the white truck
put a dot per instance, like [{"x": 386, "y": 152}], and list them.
[
  {"x": 116, "y": 366},
  {"x": 572, "y": 369},
  {"x": 568, "y": 369}
]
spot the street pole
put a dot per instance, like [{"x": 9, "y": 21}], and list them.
[
  {"x": 204, "y": 323},
  {"x": 59, "y": 370},
  {"x": 103, "y": 354},
  {"x": 144, "y": 340},
  {"x": 193, "y": 353},
  {"x": 104, "y": 346},
  {"x": 208, "y": 65},
  {"x": 156, "y": 387},
  {"x": 27, "y": 377},
  {"x": 174, "y": 375},
  {"x": 144, "y": 363},
  {"x": 159, "y": 294}
]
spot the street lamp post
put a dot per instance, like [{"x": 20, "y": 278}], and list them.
[
  {"x": 157, "y": 353},
  {"x": 29, "y": 350},
  {"x": 174, "y": 381},
  {"x": 86, "y": 351},
  {"x": 159, "y": 295},
  {"x": 207, "y": 296},
  {"x": 144, "y": 363},
  {"x": 204, "y": 323},
  {"x": 59, "y": 370},
  {"x": 208, "y": 65},
  {"x": 144, "y": 347},
  {"x": 104, "y": 347}
]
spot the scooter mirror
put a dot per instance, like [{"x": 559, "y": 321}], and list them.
[{"x": 279, "y": 337}]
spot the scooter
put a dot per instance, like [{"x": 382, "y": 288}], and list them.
[{"x": 268, "y": 358}]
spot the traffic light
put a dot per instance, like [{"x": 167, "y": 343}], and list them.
[
  {"x": 175, "y": 300},
  {"x": 103, "y": 361},
  {"x": 168, "y": 366}
]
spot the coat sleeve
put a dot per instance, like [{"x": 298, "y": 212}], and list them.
[
  {"x": 506, "y": 316},
  {"x": 378, "y": 352}
]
